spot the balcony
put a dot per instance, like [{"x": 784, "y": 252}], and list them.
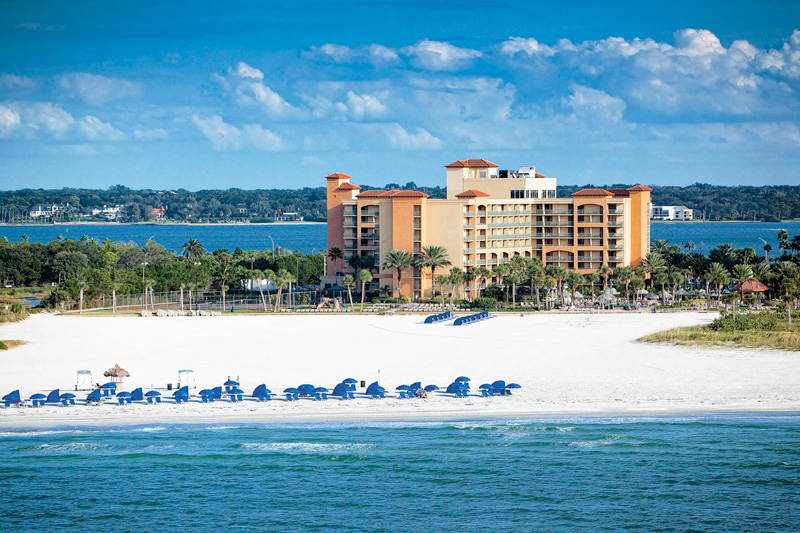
[
  {"x": 585, "y": 235},
  {"x": 417, "y": 225},
  {"x": 469, "y": 262},
  {"x": 616, "y": 247},
  {"x": 508, "y": 225},
  {"x": 469, "y": 226},
  {"x": 555, "y": 224},
  {"x": 469, "y": 250},
  {"x": 615, "y": 224},
  {"x": 510, "y": 213},
  {"x": 552, "y": 212},
  {"x": 469, "y": 238},
  {"x": 616, "y": 235}
]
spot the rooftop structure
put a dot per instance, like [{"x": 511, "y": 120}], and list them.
[{"x": 488, "y": 217}]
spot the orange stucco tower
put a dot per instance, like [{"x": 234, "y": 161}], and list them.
[
  {"x": 640, "y": 223},
  {"x": 339, "y": 189}
]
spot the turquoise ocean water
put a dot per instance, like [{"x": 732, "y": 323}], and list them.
[
  {"x": 706, "y": 473},
  {"x": 308, "y": 238}
]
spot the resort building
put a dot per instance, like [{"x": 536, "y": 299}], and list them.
[
  {"x": 671, "y": 212},
  {"x": 48, "y": 210},
  {"x": 488, "y": 217}
]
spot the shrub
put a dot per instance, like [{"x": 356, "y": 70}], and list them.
[
  {"x": 3, "y": 346},
  {"x": 480, "y": 303},
  {"x": 16, "y": 308},
  {"x": 741, "y": 322}
]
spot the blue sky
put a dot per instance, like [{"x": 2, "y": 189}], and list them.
[{"x": 249, "y": 94}]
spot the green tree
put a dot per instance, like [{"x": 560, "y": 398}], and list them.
[
  {"x": 349, "y": 282},
  {"x": 364, "y": 276},
  {"x": 335, "y": 254},
  {"x": 456, "y": 277},
  {"x": 718, "y": 276},
  {"x": 398, "y": 260},
  {"x": 282, "y": 280},
  {"x": 433, "y": 257}
]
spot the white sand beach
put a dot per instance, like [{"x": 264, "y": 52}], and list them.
[{"x": 567, "y": 364}]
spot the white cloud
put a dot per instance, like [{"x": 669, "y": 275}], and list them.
[
  {"x": 420, "y": 140},
  {"x": 95, "y": 129},
  {"x": 223, "y": 136},
  {"x": 377, "y": 54},
  {"x": 530, "y": 47},
  {"x": 245, "y": 84},
  {"x": 440, "y": 56},
  {"x": 381, "y": 55},
  {"x": 261, "y": 139},
  {"x": 595, "y": 106},
  {"x": 47, "y": 117},
  {"x": 97, "y": 90},
  {"x": 142, "y": 134},
  {"x": 9, "y": 120},
  {"x": 16, "y": 83},
  {"x": 364, "y": 106},
  {"x": 227, "y": 137},
  {"x": 334, "y": 53}
]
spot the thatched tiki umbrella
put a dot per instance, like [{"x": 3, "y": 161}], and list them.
[{"x": 116, "y": 373}]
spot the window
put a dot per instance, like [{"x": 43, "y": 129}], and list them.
[
  {"x": 517, "y": 194},
  {"x": 532, "y": 194},
  {"x": 551, "y": 193},
  {"x": 482, "y": 174}
]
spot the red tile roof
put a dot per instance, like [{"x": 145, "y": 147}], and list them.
[
  {"x": 347, "y": 187},
  {"x": 620, "y": 192},
  {"x": 472, "y": 193},
  {"x": 408, "y": 194},
  {"x": 750, "y": 286},
  {"x": 337, "y": 176},
  {"x": 471, "y": 163},
  {"x": 640, "y": 188},
  {"x": 537, "y": 175},
  {"x": 372, "y": 193},
  {"x": 593, "y": 192}
]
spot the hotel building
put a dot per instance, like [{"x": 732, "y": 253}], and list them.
[{"x": 489, "y": 216}]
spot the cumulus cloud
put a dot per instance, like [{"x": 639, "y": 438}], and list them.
[
  {"x": 156, "y": 134},
  {"x": 97, "y": 90},
  {"x": 95, "y": 129},
  {"x": 419, "y": 140},
  {"x": 16, "y": 83},
  {"x": 440, "y": 56},
  {"x": 530, "y": 47},
  {"x": 227, "y": 137},
  {"x": 593, "y": 105},
  {"x": 376, "y": 54},
  {"x": 46, "y": 117},
  {"x": 364, "y": 106},
  {"x": 9, "y": 120},
  {"x": 245, "y": 85}
]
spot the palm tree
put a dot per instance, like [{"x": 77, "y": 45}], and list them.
[
  {"x": 363, "y": 276},
  {"x": 718, "y": 276},
  {"x": 256, "y": 276},
  {"x": 558, "y": 273},
  {"x": 593, "y": 280},
  {"x": 789, "y": 275},
  {"x": 740, "y": 274},
  {"x": 355, "y": 262},
  {"x": 335, "y": 254},
  {"x": 443, "y": 280},
  {"x": 481, "y": 273},
  {"x": 500, "y": 272},
  {"x": 625, "y": 275},
  {"x": 457, "y": 277},
  {"x": 575, "y": 280},
  {"x": 82, "y": 286},
  {"x": 548, "y": 284},
  {"x": 114, "y": 286},
  {"x": 349, "y": 282},
  {"x": 767, "y": 250},
  {"x": 193, "y": 249},
  {"x": 470, "y": 275},
  {"x": 190, "y": 287},
  {"x": 654, "y": 264},
  {"x": 433, "y": 257},
  {"x": 183, "y": 286},
  {"x": 398, "y": 260},
  {"x": 660, "y": 245},
  {"x": 268, "y": 276},
  {"x": 282, "y": 280},
  {"x": 223, "y": 272},
  {"x": 637, "y": 284},
  {"x": 605, "y": 272}
]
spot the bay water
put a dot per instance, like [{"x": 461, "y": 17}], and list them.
[
  {"x": 699, "y": 473},
  {"x": 308, "y": 238}
]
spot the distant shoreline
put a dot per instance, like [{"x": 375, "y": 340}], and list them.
[{"x": 181, "y": 224}]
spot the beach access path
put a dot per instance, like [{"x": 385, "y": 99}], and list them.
[{"x": 568, "y": 365}]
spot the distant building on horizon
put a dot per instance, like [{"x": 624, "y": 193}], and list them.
[
  {"x": 289, "y": 217},
  {"x": 671, "y": 212},
  {"x": 488, "y": 217},
  {"x": 48, "y": 210}
]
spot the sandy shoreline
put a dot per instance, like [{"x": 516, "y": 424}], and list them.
[{"x": 569, "y": 365}]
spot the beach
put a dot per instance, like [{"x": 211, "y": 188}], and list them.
[{"x": 567, "y": 364}]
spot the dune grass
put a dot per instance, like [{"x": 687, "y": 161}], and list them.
[
  {"x": 786, "y": 337},
  {"x": 7, "y": 345}
]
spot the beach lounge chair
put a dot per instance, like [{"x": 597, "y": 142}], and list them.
[
  {"x": 54, "y": 397},
  {"x": 153, "y": 396},
  {"x": 262, "y": 393},
  {"x": 94, "y": 397},
  {"x": 342, "y": 390},
  {"x": 123, "y": 397},
  {"x": 320, "y": 393},
  {"x": 108, "y": 389},
  {"x": 499, "y": 387},
  {"x": 487, "y": 389},
  {"x": 236, "y": 394},
  {"x": 230, "y": 385},
  {"x": 404, "y": 391},
  {"x": 207, "y": 396},
  {"x": 67, "y": 399},
  {"x": 292, "y": 394},
  {"x": 12, "y": 397},
  {"x": 306, "y": 389},
  {"x": 181, "y": 395},
  {"x": 376, "y": 391},
  {"x": 137, "y": 395}
]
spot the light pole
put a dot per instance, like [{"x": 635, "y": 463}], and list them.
[
  {"x": 144, "y": 289},
  {"x": 197, "y": 289},
  {"x": 273, "y": 245}
]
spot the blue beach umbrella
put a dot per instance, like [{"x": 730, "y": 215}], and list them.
[
  {"x": 37, "y": 396},
  {"x": 291, "y": 390},
  {"x": 513, "y": 386},
  {"x": 306, "y": 388},
  {"x": 12, "y": 397},
  {"x": 431, "y": 388},
  {"x": 54, "y": 396},
  {"x": 207, "y": 392},
  {"x": 94, "y": 396},
  {"x": 137, "y": 395},
  {"x": 109, "y": 385},
  {"x": 462, "y": 379},
  {"x": 124, "y": 394},
  {"x": 402, "y": 387},
  {"x": 350, "y": 381},
  {"x": 237, "y": 391},
  {"x": 320, "y": 389},
  {"x": 486, "y": 386},
  {"x": 415, "y": 386},
  {"x": 152, "y": 393}
]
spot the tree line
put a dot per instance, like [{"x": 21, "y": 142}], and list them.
[
  {"x": 712, "y": 202},
  {"x": 83, "y": 271}
]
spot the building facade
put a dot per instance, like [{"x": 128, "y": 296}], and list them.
[
  {"x": 671, "y": 212},
  {"x": 488, "y": 217}
]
